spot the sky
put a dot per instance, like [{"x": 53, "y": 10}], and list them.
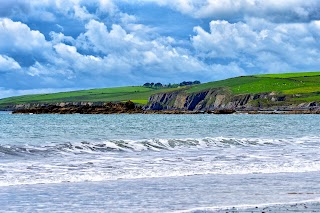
[{"x": 61, "y": 45}]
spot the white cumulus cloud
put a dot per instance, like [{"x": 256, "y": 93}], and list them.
[
  {"x": 267, "y": 46},
  {"x": 8, "y": 64},
  {"x": 288, "y": 10},
  {"x": 18, "y": 37}
]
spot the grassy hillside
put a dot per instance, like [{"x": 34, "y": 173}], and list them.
[
  {"x": 306, "y": 87},
  {"x": 136, "y": 94}
]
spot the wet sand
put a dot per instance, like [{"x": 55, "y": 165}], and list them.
[{"x": 279, "y": 208}]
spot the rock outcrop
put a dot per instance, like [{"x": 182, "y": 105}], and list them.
[
  {"x": 58, "y": 104},
  {"x": 80, "y": 108},
  {"x": 223, "y": 100}
]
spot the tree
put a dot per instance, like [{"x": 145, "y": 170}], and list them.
[
  {"x": 158, "y": 85},
  {"x": 147, "y": 85},
  {"x": 185, "y": 83},
  {"x": 196, "y": 82}
]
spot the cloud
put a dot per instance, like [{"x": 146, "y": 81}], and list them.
[
  {"x": 8, "y": 64},
  {"x": 26, "y": 10},
  {"x": 61, "y": 38},
  {"x": 225, "y": 40},
  {"x": 52, "y": 10},
  {"x": 259, "y": 44},
  {"x": 16, "y": 37},
  {"x": 231, "y": 10},
  {"x": 107, "y": 6},
  {"x": 279, "y": 11},
  {"x": 82, "y": 13},
  {"x": 100, "y": 39},
  {"x": 86, "y": 64},
  {"x": 135, "y": 50},
  {"x": 8, "y": 8}
]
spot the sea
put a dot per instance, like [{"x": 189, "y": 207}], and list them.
[{"x": 159, "y": 163}]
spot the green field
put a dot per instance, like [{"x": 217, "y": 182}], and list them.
[
  {"x": 137, "y": 94},
  {"x": 306, "y": 87},
  {"x": 290, "y": 75},
  {"x": 289, "y": 83}
]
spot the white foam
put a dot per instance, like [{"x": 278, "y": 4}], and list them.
[
  {"x": 219, "y": 155},
  {"x": 132, "y": 168},
  {"x": 160, "y": 144}
]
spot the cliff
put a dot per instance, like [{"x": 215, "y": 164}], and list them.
[{"x": 223, "y": 99}]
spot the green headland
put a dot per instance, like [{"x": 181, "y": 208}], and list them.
[{"x": 305, "y": 86}]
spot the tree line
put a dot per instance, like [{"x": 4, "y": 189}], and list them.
[{"x": 160, "y": 85}]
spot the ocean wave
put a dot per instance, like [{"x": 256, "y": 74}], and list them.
[{"x": 148, "y": 145}]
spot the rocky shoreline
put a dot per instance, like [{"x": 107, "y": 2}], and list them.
[
  {"x": 72, "y": 108},
  {"x": 131, "y": 108},
  {"x": 110, "y": 108}
]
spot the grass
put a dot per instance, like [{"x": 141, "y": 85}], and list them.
[
  {"x": 310, "y": 98},
  {"x": 305, "y": 86},
  {"x": 265, "y": 83},
  {"x": 303, "y": 90},
  {"x": 137, "y": 94},
  {"x": 290, "y": 75}
]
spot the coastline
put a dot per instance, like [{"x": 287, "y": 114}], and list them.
[{"x": 124, "y": 108}]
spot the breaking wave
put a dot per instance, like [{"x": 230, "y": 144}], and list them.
[{"x": 147, "y": 145}]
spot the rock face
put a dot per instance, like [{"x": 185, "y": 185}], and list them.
[
  {"x": 183, "y": 101},
  {"x": 71, "y": 108},
  {"x": 223, "y": 100}
]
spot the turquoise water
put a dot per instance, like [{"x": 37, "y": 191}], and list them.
[{"x": 157, "y": 163}]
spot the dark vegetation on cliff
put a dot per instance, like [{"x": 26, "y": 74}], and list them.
[{"x": 256, "y": 91}]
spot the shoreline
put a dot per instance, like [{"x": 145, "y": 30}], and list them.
[
  {"x": 131, "y": 108},
  {"x": 173, "y": 112}
]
